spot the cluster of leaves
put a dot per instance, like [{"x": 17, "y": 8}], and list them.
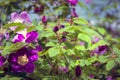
[
  {"x": 69, "y": 53},
  {"x": 62, "y": 47}
]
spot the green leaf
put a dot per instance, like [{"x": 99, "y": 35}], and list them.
[
  {"x": 14, "y": 24},
  {"x": 79, "y": 47},
  {"x": 82, "y": 5},
  {"x": 79, "y": 21},
  {"x": 110, "y": 64},
  {"x": 102, "y": 59},
  {"x": 13, "y": 47},
  {"x": 85, "y": 38},
  {"x": 101, "y": 30},
  {"x": 50, "y": 44},
  {"x": 116, "y": 51},
  {"x": 53, "y": 51}
]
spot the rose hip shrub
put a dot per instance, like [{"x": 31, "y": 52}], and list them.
[{"x": 62, "y": 49}]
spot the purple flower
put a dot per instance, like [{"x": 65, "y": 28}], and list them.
[
  {"x": 23, "y": 17},
  {"x": 73, "y": 2},
  {"x": 91, "y": 76},
  {"x": 39, "y": 48},
  {"x": 73, "y": 13},
  {"x": 63, "y": 38},
  {"x": 23, "y": 36},
  {"x": 44, "y": 19},
  {"x": 88, "y": 1},
  {"x": 63, "y": 69},
  {"x": 39, "y": 9},
  {"x": 78, "y": 71},
  {"x": 2, "y": 60},
  {"x": 109, "y": 78},
  {"x": 82, "y": 43},
  {"x": 56, "y": 28},
  {"x": 23, "y": 60},
  {"x": 101, "y": 49},
  {"x": 7, "y": 36},
  {"x": 62, "y": 26},
  {"x": 95, "y": 40}
]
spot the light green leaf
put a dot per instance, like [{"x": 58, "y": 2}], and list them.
[
  {"x": 79, "y": 21},
  {"x": 85, "y": 38},
  {"x": 50, "y": 44},
  {"x": 53, "y": 51},
  {"x": 110, "y": 64}
]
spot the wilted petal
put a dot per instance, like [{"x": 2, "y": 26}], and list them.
[
  {"x": 14, "y": 16},
  {"x": 25, "y": 16},
  {"x": 2, "y": 60},
  {"x": 18, "y": 38},
  {"x": 31, "y": 36},
  {"x": 29, "y": 68}
]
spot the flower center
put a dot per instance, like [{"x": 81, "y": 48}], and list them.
[
  {"x": 23, "y": 60},
  {"x": 2, "y": 31}
]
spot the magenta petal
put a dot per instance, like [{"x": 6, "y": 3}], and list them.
[
  {"x": 13, "y": 58},
  {"x": 14, "y": 16},
  {"x": 31, "y": 36},
  {"x": 16, "y": 68},
  {"x": 25, "y": 16},
  {"x": 29, "y": 68},
  {"x": 33, "y": 56},
  {"x": 39, "y": 48},
  {"x": 44, "y": 19},
  {"x": 2, "y": 60},
  {"x": 73, "y": 2},
  {"x": 18, "y": 38}
]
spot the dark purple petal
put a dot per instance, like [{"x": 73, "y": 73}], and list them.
[
  {"x": 39, "y": 9},
  {"x": 78, "y": 71},
  {"x": 73, "y": 2},
  {"x": 101, "y": 49},
  {"x": 63, "y": 38},
  {"x": 39, "y": 48},
  {"x": 73, "y": 13},
  {"x": 13, "y": 58},
  {"x": 2, "y": 60},
  {"x": 55, "y": 29},
  {"x": 16, "y": 68},
  {"x": 62, "y": 26},
  {"x": 25, "y": 16},
  {"x": 29, "y": 68},
  {"x": 14, "y": 16},
  {"x": 22, "y": 51},
  {"x": 18, "y": 38},
  {"x": 31, "y": 36},
  {"x": 109, "y": 78},
  {"x": 63, "y": 69},
  {"x": 44, "y": 19},
  {"x": 32, "y": 55}
]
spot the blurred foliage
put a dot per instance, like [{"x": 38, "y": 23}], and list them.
[{"x": 57, "y": 52}]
